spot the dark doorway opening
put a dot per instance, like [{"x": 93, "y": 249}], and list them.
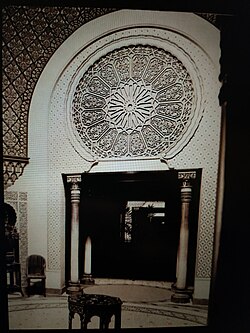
[{"x": 146, "y": 246}]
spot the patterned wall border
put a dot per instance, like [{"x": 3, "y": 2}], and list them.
[{"x": 30, "y": 36}]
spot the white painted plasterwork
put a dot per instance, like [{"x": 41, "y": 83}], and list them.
[{"x": 195, "y": 43}]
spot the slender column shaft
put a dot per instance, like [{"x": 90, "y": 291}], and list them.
[
  {"x": 183, "y": 248},
  {"x": 182, "y": 256},
  {"x": 75, "y": 201},
  {"x": 87, "y": 259}
]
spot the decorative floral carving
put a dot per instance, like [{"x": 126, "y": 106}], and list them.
[{"x": 136, "y": 101}]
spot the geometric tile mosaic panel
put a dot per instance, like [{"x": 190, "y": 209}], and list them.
[{"x": 29, "y": 38}]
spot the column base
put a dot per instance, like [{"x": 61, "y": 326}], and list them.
[
  {"x": 87, "y": 279},
  {"x": 181, "y": 295},
  {"x": 180, "y": 298},
  {"x": 74, "y": 289}
]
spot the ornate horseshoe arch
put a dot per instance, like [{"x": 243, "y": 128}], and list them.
[{"x": 132, "y": 88}]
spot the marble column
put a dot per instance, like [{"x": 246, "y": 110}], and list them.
[
  {"x": 87, "y": 277},
  {"x": 75, "y": 192},
  {"x": 182, "y": 295}
]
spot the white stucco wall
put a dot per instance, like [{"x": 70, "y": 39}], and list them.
[{"x": 52, "y": 154}]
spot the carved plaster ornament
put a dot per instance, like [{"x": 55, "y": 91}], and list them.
[{"x": 134, "y": 102}]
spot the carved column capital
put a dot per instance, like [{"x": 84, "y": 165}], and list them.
[
  {"x": 186, "y": 175},
  {"x": 186, "y": 187},
  {"x": 75, "y": 181}
]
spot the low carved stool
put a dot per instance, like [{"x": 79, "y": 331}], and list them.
[{"x": 89, "y": 305}]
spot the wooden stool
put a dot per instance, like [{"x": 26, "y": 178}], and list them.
[{"x": 88, "y": 305}]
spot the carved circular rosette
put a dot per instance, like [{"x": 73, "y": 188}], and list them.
[{"x": 134, "y": 102}]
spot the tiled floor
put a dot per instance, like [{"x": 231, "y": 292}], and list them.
[{"x": 143, "y": 306}]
